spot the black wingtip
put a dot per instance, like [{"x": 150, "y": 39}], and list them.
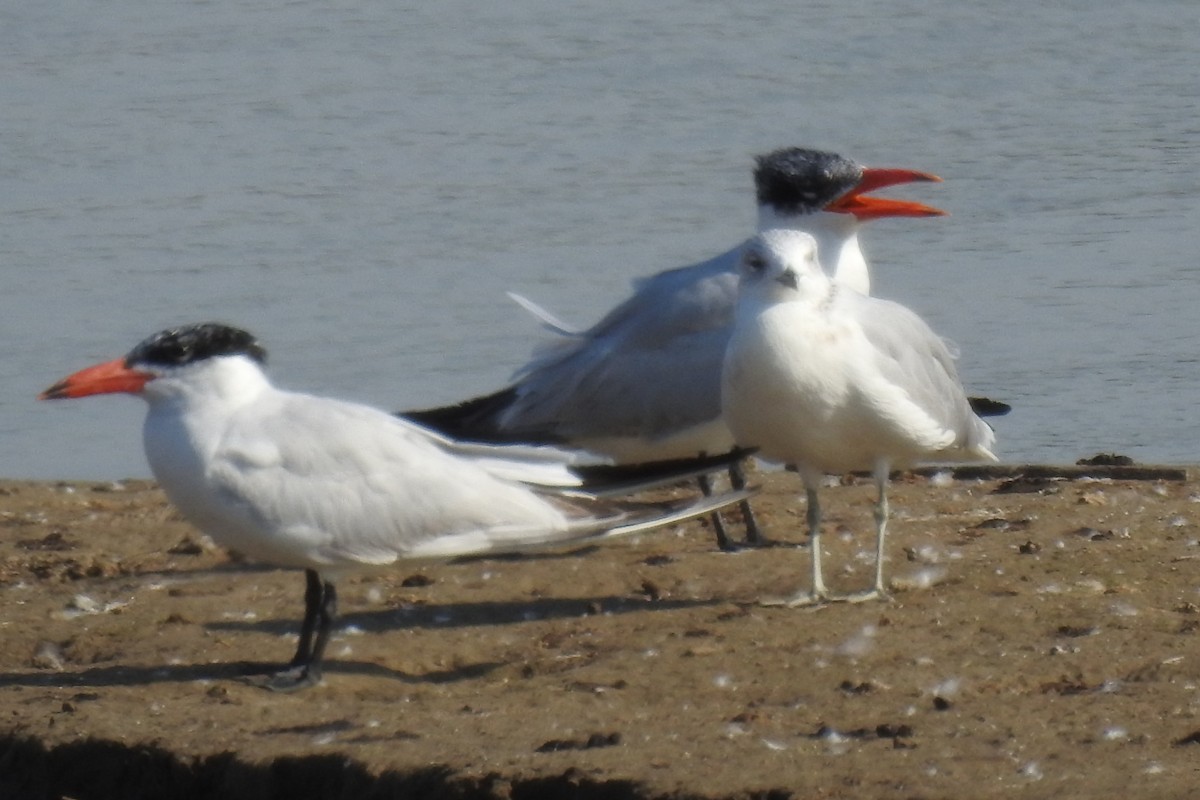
[
  {"x": 623, "y": 478},
  {"x": 986, "y": 407},
  {"x": 477, "y": 420}
]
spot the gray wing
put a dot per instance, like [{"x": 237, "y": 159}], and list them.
[
  {"x": 917, "y": 361},
  {"x": 344, "y": 483},
  {"x": 650, "y": 367}
]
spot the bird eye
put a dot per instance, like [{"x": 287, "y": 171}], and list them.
[{"x": 755, "y": 263}]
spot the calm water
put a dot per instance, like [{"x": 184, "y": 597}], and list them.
[{"x": 359, "y": 186}]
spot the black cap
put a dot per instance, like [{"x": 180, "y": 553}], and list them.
[
  {"x": 188, "y": 344},
  {"x": 796, "y": 180}
]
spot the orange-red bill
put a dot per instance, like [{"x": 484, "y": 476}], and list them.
[
  {"x": 857, "y": 202},
  {"x": 110, "y": 377}
]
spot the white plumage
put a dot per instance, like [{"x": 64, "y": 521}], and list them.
[
  {"x": 830, "y": 380},
  {"x": 329, "y": 486},
  {"x": 644, "y": 383},
  {"x": 306, "y": 481}
]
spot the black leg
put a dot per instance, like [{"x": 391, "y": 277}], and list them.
[
  {"x": 718, "y": 523},
  {"x": 325, "y": 622},
  {"x": 312, "y": 605},
  {"x": 320, "y": 611},
  {"x": 737, "y": 479}
]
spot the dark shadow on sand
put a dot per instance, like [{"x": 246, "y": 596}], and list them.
[
  {"x": 446, "y": 616},
  {"x": 233, "y": 671},
  {"x": 465, "y": 615},
  {"x": 95, "y": 768}
]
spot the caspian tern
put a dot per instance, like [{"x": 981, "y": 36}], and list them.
[
  {"x": 644, "y": 383},
  {"x": 825, "y": 378},
  {"x": 328, "y": 486}
]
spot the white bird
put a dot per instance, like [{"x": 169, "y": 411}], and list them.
[
  {"x": 328, "y": 486},
  {"x": 827, "y": 379},
  {"x": 644, "y": 383}
]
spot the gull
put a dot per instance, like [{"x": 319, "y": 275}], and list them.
[
  {"x": 328, "y": 486},
  {"x": 825, "y": 378},
  {"x": 644, "y": 383}
]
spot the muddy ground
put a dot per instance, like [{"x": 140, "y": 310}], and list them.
[{"x": 1043, "y": 640}]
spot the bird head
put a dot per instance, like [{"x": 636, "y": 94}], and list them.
[{"x": 167, "y": 353}]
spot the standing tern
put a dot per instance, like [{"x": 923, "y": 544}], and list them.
[
  {"x": 644, "y": 383},
  {"x": 831, "y": 380},
  {"x": 328, "y": 486}
]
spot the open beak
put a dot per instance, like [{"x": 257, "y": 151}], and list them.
[
  {"x": 110, "y": 377},
  {"x": 863, "y": 207}
]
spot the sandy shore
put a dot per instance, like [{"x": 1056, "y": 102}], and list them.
[{"x": 1041, "y": 642}]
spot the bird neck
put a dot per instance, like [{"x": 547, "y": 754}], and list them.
[
  {"x": 220, "y": 383},
  {"x": 851, "y": 270}
]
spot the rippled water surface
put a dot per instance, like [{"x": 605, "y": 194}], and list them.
[{"x": 359, "y": 186}]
